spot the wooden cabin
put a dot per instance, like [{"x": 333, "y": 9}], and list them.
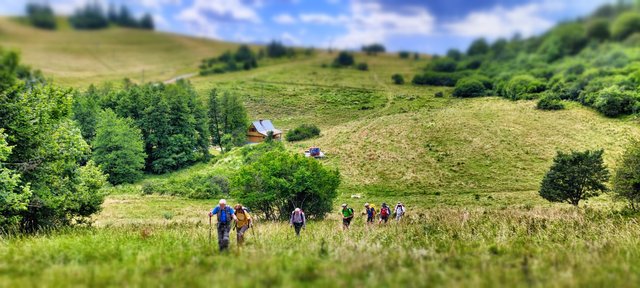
[{"x": 259, "y": 130}]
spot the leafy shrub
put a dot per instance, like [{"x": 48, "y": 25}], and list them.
[
  {"x": 454, "y": 54},
  {"x": 302, "y": 132},
  {"x": 362, "y": 66},
  {"x": 443, "y": 65},
  {"x": 278, "y": 180},
  {"x": 613, "y": 101},
  {"x": 437, "y": 79},
  {"x": 404, "y": 54},
  {"x": 397, "y": 79},
  {"x": 373, "y": 49},
  {"x": 343, "y": 59},
  {"x": 625, "y": 25},
  {"x": 523, "y": 87},
  {"x": 478, "y": 47},
  {"x": 550, "y": 102},
  {"x": 598, "y": 29},
  {"x": 469, "y": 87},
  {"x": 276, "y": 49},
  {"x": 626, "y": 181},
  {"x": 564, "y": 40}
]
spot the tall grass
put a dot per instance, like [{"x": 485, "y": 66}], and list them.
[{"x": 478, "y": 247}]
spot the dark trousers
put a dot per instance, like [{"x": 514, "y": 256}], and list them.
[
  {"x": 223, "y": 235},
  {"x": 297, "y": 227}
]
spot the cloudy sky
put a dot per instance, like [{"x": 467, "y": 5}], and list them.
[{"x": 430, "y": 26}]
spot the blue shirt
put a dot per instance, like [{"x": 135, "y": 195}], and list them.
[{"x": 222, "y": 217}]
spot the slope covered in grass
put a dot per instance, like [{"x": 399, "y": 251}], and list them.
[{"x": 79, "y": 58}]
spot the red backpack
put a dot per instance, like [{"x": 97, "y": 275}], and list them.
[{"x": 385, "y": 211}]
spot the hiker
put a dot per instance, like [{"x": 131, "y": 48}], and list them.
[
  {"x": 243, "y": 223},
  {"x": 347, "y": 216},
  {"x": 384, "y": 213},
  {"x": 225, "y": 215},
  {"x": 298, "y": 221},
  {"x": 399, "y": 211},
  {"x": 371, "y": 213}
]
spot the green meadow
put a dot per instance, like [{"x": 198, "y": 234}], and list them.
[{"x": 468, "y": 170}]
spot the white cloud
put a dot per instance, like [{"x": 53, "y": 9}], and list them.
[
  {"x": 527, "y": 19},
  {"x": 290, "y": 39},
  {"x": 324, "y": 19},
  {"x": 501, "y": 22},
  {"x": 284, "y": 19},
  {"x": 201, "y": 16},
  {"x": 371, "y": 23}
]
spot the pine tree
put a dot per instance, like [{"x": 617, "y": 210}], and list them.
[{"x": 118, "y": 148}]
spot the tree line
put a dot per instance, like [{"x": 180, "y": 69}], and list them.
[{"x": 90, "y": 16}]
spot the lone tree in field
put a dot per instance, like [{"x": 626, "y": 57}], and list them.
[
  {"x": 575, "y": 176},
  {"x": 626, "y": 181}
]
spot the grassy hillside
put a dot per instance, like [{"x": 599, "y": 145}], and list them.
[{"x": 79, "y": 58}]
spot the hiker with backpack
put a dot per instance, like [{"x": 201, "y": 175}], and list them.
[
  {"x": 384, "y": 213},
  {"x": 399, "y": 211},
  {"x": 298, "y": 221},
  {"x": 225, "y": 215},
  {"x": 243, "y": 223},
  {"x": 371, "y": 213},
  {"x": 347, "y": 216}
]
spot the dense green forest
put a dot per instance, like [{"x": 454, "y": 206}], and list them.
[{"x": 592, "y": 61}]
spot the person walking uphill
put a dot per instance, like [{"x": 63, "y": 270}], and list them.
[
  {"x": 347, "y": 216},
  {"x": 371, "y": 213},
  {"x": 384, "y": 213},
  {"x": 243, "y": 223},
  {"x": 399, "y": 211},
  {"x": 225, "y": 215},
  {"x": 298, "y": 221}
]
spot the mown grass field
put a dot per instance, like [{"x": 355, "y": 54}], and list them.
[{"x": 468, "y": 170}]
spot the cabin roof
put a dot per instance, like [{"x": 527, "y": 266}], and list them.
[{"x": 264, "y": 126}]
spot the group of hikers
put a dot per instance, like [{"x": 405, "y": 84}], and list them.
[{"x": 241, "y": 219}]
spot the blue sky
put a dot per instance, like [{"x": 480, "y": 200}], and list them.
[{"x": 430, "y": 26}]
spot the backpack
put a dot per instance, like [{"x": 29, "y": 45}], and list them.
[
  {"x": 385, "y": 211},
  {"x": 226, "y": 209}
]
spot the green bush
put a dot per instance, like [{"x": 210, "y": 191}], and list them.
[
  {"x": 626, "y": 181},
  {"x": 343, "y": 59},
  {"x": 302, "y": 132},
  {"x": 278, "y": 180},
  {"x": 613, "y": 101},
  {"x": 523, "y": 87},
  {"x": 598, "y": 29},
  {"x": 362, "y": 67},
  {"x": 397, "y": 79},
  {"x": 443, "y": 65},
  {"x": 550, "y": 102},
  {"x": 404, "y": 54},
  {"x": 469, "y": 87},
  {"x": 437, "y": 79},
  {"x": 478, "y": 47},
  {"x": 625, "y": 25}
]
